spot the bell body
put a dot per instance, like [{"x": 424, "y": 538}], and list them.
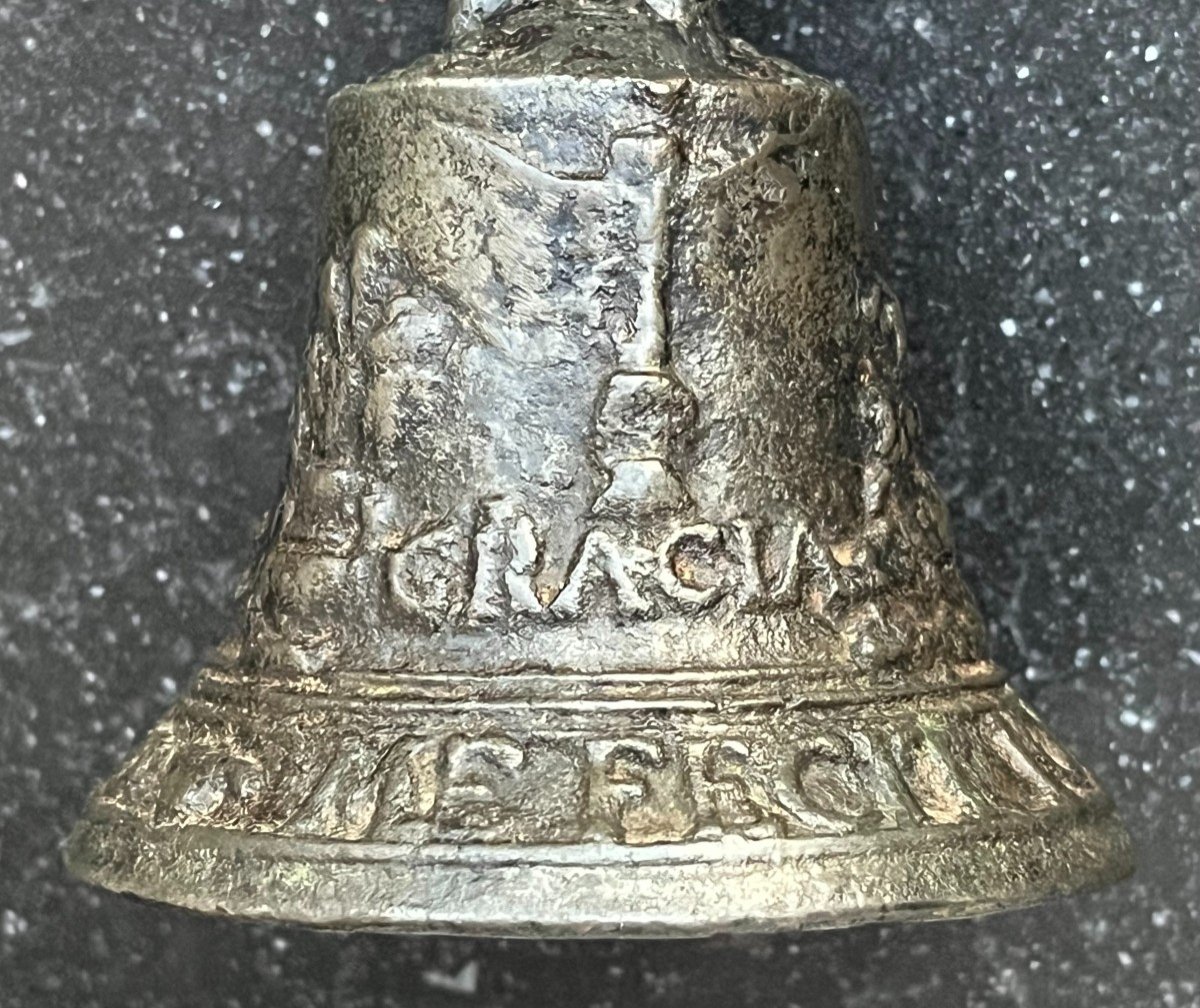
[{"x": 606, "y": 595}]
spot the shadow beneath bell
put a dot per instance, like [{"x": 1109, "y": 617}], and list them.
[{"x": 874, "y": 964}]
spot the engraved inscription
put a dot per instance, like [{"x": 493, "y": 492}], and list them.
[
  {"x": 817, "y": 778},
  {"x": 639, "y": 791},
  {"x": 497, "y": 569},
  {"x": 496, "y": 783}
]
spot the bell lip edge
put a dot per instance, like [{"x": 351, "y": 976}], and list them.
[{"x": 1098, "y": 820}]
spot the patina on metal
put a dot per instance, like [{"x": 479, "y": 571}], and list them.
[{"x": 606, "y": 595}]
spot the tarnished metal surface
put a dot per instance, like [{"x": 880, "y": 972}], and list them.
[{"x": 606, "y": 594}]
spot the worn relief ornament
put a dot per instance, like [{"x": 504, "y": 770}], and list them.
[{"x": 606, "y": 595}]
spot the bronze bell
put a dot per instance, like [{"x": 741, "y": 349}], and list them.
[{"x": 606, "y": 595}]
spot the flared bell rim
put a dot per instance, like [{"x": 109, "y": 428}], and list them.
[
  {"x": 688, "y": 822},
  {"x": 695, "y": 889}
]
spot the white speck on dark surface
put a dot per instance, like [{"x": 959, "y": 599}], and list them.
[
  {"x": 465, "y": 981},
  {"x": 1038, "y": 165}
]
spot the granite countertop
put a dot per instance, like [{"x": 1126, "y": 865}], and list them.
[{"x": 1038, "y": 166}]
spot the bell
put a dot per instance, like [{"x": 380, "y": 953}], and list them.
[{"x": 606, "y": 595}]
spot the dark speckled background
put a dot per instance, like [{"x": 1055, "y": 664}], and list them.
[{"x": 161, "y": 162}]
